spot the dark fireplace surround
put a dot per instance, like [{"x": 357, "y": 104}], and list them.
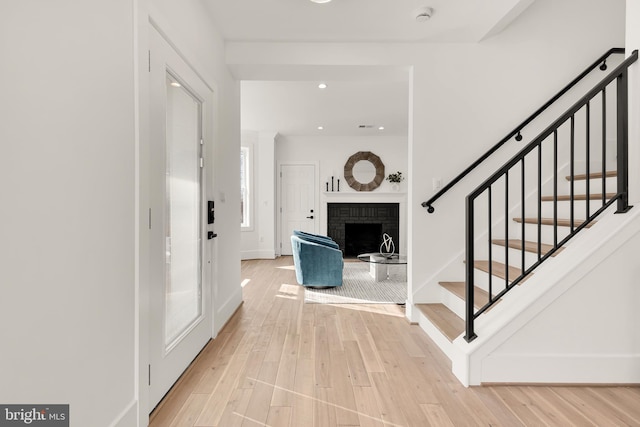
[{"x": 358, "y": 227}]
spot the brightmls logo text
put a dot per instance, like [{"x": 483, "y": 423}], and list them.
[{"x": 34, "y": 415}]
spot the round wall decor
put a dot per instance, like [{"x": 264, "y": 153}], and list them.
[{"x": 368, "y": 169}]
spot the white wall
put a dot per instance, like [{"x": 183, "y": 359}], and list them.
[
  {"x": 331, "y": 153},
  {"x": 464, "y": 98},
  {"x": 632, "y": 43},
  {"x": 70, "y": 85},
  {"x": 67, "y": 180},
  {"x": 484, "y": 91},
  {"x": 258, "y": 240}
]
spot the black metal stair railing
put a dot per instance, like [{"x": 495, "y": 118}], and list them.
[
  {"x": 572, "y": 132},
  {"x": 516, "y": 133}
]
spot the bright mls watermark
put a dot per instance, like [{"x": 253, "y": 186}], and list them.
[{"x": 34, "y": 415}]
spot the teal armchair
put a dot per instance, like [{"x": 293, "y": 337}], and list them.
[{"x": 317, "y": 259}]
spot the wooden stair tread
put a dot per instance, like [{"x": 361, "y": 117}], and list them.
[
  {"x": 562, "y": 222},
  {"x": 567, "y": 197},
  {"x": 444, "y": 319},
  {"x": 499, "y": 269},
  {"x": 528, "y": 246},
  {"x": 480, "y": 296},
  {"x": 594, "y": 175}
]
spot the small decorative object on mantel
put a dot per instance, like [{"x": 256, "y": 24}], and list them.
[
  {"x": 395, "y": 179},
  {"x": 333, "y": 187},
  {"x": 387, "y": 248}
]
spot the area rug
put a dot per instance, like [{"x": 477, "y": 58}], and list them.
[{"x": 358, "y": 287}]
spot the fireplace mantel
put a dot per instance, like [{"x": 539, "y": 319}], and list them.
[{"x": 363, "y": 197}]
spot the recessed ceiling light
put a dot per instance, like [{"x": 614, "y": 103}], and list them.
[
  {"x": 321, "y": 1},
  {"x": 381, "y": 128},
  {"x": 320, "y": 127},
  {"x": 176, "y": 84},
  {"x": 322, "y": 86}
]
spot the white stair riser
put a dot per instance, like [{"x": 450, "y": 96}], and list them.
[
  {"x": 453, "y": 303},
  {"x": 531, "y": 232},
  {"x": 481, "y": 280},
  {"x": 564, "y": 209},
  {"x": 515, "y": 256},
  {"x": 580, "y": 186}
]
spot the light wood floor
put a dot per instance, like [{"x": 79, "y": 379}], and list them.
[{"x": 280, "y": 362}]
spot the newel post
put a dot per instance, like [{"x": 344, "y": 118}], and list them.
[
  {"x": 469, "y": 312},
  {"x": 623, "y": 142}
]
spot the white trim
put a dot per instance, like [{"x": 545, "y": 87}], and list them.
[
  {"x": 128, "y": 417},
  {"x": 251, "y": 185},
  {"x": 226, "y": 310},
  {"x": 163, "y": 28},
  {"x": 562, "y": 368},
  {"x": 257, "y": 254},
  {"x": 141, "y": 239}
]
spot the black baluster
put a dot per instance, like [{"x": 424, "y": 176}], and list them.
[
  {"x": 555, "y": 188},
  {"x": 588, "y": 155},
  {"x": 623, "y": 146},
  {"x": 490, "y": 247},
  {"x": 573, "y": 133},
  {"x": 506, "y": 224},
  {"x": 604, "y": 145},
  {"x": 522, "y": 190},
  {"x": 470, "y": 335},
  {"x": 539, "y": 201}
]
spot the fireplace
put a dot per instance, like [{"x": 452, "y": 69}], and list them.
[
  {"x": 361, "y": 238},
  {"x": 358, "y": 227}
]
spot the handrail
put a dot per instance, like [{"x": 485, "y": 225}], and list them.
[
  {"x": 621, "y": 197},
  {"x": 602, "y": 60},
  {"x": 549, "y": 130}
]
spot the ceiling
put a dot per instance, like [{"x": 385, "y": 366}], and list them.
[
  {"x": 361, "y": 20},
  {"x": 299, "y": 107},
  {"x": 289, "y": 105}
]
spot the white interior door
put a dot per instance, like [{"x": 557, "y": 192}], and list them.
[
  {"x": 180, "y": 297},
  {"x": 298, "y": 199}
]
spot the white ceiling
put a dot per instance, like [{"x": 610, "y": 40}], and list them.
[
  {"x": 361, "y": 20},
  {"x": 299, "y": 107},
  {"x": 377, "y": 96}
]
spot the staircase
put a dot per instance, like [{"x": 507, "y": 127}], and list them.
[
  {"x": 523, "y": 219},
  {"x": 447, "y": 316}
]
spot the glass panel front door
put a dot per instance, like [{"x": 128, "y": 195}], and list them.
[{"x": 183, "y": 210}]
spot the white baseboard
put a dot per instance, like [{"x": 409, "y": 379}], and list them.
[
  {"x": 561, "y": 369},
  {"x": 128, "y": 417},
  {"x": 227, "y": 310},
  {"x": 245, "y": 255}
]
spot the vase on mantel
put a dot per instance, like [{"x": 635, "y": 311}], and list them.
[{"x": 395, "y": 187}]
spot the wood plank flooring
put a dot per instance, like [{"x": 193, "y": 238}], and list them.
[{"x": 280, "y": 362}]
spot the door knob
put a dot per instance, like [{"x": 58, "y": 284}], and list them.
[{"x": 310, "y": 217}]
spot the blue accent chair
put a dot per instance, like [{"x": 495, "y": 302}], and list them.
[{"x": 317, "y": 259}]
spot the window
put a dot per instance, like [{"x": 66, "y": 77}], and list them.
[{"x": 245, "y": 191}]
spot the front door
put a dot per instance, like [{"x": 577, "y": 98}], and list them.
[
  {"x": 180, "y": 302},
  {"x": 298, "y": 199}
]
